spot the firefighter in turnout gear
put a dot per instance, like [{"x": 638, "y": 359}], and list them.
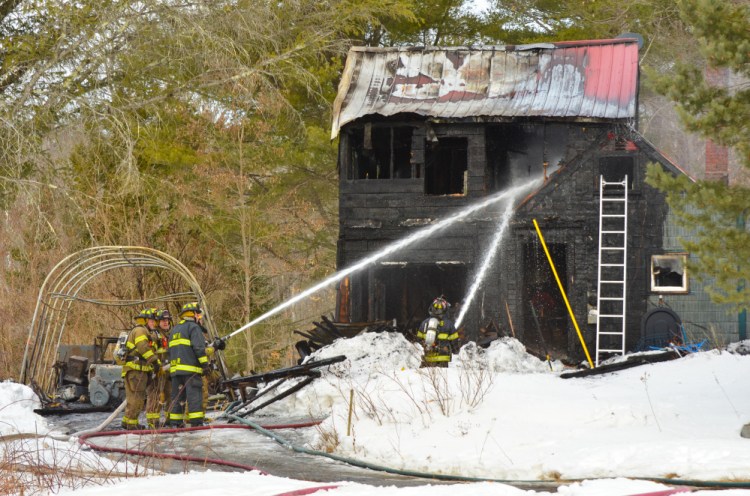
[
  {"x": 140, "y": 360},
  {"x": 210, "y": 375},
  {"x": 438, "y": 335},
  {"x": 187, "y": 364},
  {"x": 161, "y": 392}
]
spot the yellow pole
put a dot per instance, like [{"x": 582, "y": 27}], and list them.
[{"x": 562, "y": 291}]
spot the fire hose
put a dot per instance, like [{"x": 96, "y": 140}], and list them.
[
  {"x": 460, "y": 478},
  {"x": 84, "y": 439}
]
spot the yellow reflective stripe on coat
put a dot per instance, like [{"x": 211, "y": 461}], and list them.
[
  {"x": 180, "y": 341},
  {"x": 179, "y": 367},
  {"x": 203, "y": 359},
  {"x": 136, "y": 366},
  {"x": 447, "y": 337}
]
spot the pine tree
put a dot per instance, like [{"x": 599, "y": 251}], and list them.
[{"x": 715, "y": 212}]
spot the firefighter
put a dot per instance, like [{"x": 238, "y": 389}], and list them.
[
  {"x": 211, "y": 375},
  {"x": 161, "y": 393},
  {"x": 139, "y": 364},
  {"x": 187, "y": 364},
  {"x": 438, "y": 335}
]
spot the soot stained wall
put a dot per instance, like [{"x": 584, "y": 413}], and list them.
[{"x": 376, "y": 212}]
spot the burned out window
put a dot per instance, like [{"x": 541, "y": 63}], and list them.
[
  {"x": 446, "y": 164},
  {"x": 380, "y": 152},
  {"x": 669, "y": 273},
  {"x": 615, "y": 169}
]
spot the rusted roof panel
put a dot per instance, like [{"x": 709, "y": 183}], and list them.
[{"x": 591, "y": 79}]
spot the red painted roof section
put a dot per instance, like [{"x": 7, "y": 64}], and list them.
[{"x": 595, "y": 80}]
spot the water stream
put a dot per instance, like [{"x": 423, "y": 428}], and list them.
[
  {"x": 394, "y": 247},
  {"x": 489, "y": 258}
]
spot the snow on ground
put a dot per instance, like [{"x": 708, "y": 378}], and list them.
[
  {"x": 497, "y": 414},
  {"x": 17, "y": 406},
  {"x": 504, "y": 415},
  {"x": 28, "y": 441}
]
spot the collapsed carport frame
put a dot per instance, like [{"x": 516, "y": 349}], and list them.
[{"x": 62, "y": 287}]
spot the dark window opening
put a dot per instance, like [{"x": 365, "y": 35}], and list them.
[
  {"x": 380, "y": 153},
  {"x": 614, "y": 169},
  {"x": 446, "y": 164},
  {"x": 545, "y": 314}
]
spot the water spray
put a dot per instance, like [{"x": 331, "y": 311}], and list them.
[
  {"x": 418, "y": 235},
  {"x": 488, "y": 259}
]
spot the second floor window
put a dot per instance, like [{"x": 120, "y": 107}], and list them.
[
  {"x": 446, "y": 165},
  {"x": 380, "y": 153}
]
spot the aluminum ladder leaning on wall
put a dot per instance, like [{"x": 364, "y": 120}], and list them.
[{"x": 612, "y": 268}]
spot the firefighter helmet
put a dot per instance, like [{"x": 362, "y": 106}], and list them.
[
  {"x": 190, "y": 309},
  {"x": 163, "y": 315},
  {"x": 145, "y": 314},
  {"x": 439, "y": 307}
]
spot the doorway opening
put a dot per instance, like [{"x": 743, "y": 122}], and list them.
[{"x": 545, "y": 316}]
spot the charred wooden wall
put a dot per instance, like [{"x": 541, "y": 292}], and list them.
[
  {"x": 376, "y": 212},
  {"x": 567, "y": 210}
]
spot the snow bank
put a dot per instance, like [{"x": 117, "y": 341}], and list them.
[
  {"x": 503, "y": 355},
  {"x": 501, "y": 413},
  {"x": 17, "y": 404}
]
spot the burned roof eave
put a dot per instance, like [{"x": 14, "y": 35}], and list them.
[
  {"x": 411, "y": 117},
  {"x": 501, "y": 48}
]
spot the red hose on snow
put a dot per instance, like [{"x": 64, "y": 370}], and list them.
[
  {"x": 307, "y": 490},
  {"x": 666, "y": 492}
]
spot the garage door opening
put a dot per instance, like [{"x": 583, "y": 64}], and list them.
[{"x": 405, "y": 291}]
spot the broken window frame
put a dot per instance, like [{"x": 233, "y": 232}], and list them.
[
  {"x": 454, "y": 143},
  {"x": 360, "y": 145},
  {"x": 679, "y": 261}
]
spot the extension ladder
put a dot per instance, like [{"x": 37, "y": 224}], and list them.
[{"x": 612, "y": 269}]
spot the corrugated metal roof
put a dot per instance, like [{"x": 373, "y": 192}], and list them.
[{"x": 592, "y": 79}]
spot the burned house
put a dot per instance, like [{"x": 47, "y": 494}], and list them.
[{"x": 427, "y": 131}]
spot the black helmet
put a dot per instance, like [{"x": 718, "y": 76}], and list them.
[
  {"x": 163, "y": 315},
  {"x": 439, "y": 307}
]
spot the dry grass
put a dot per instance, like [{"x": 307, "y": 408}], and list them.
[
  {"x": 31, "y": 465},
  {"x": 328, "y": 439}
]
